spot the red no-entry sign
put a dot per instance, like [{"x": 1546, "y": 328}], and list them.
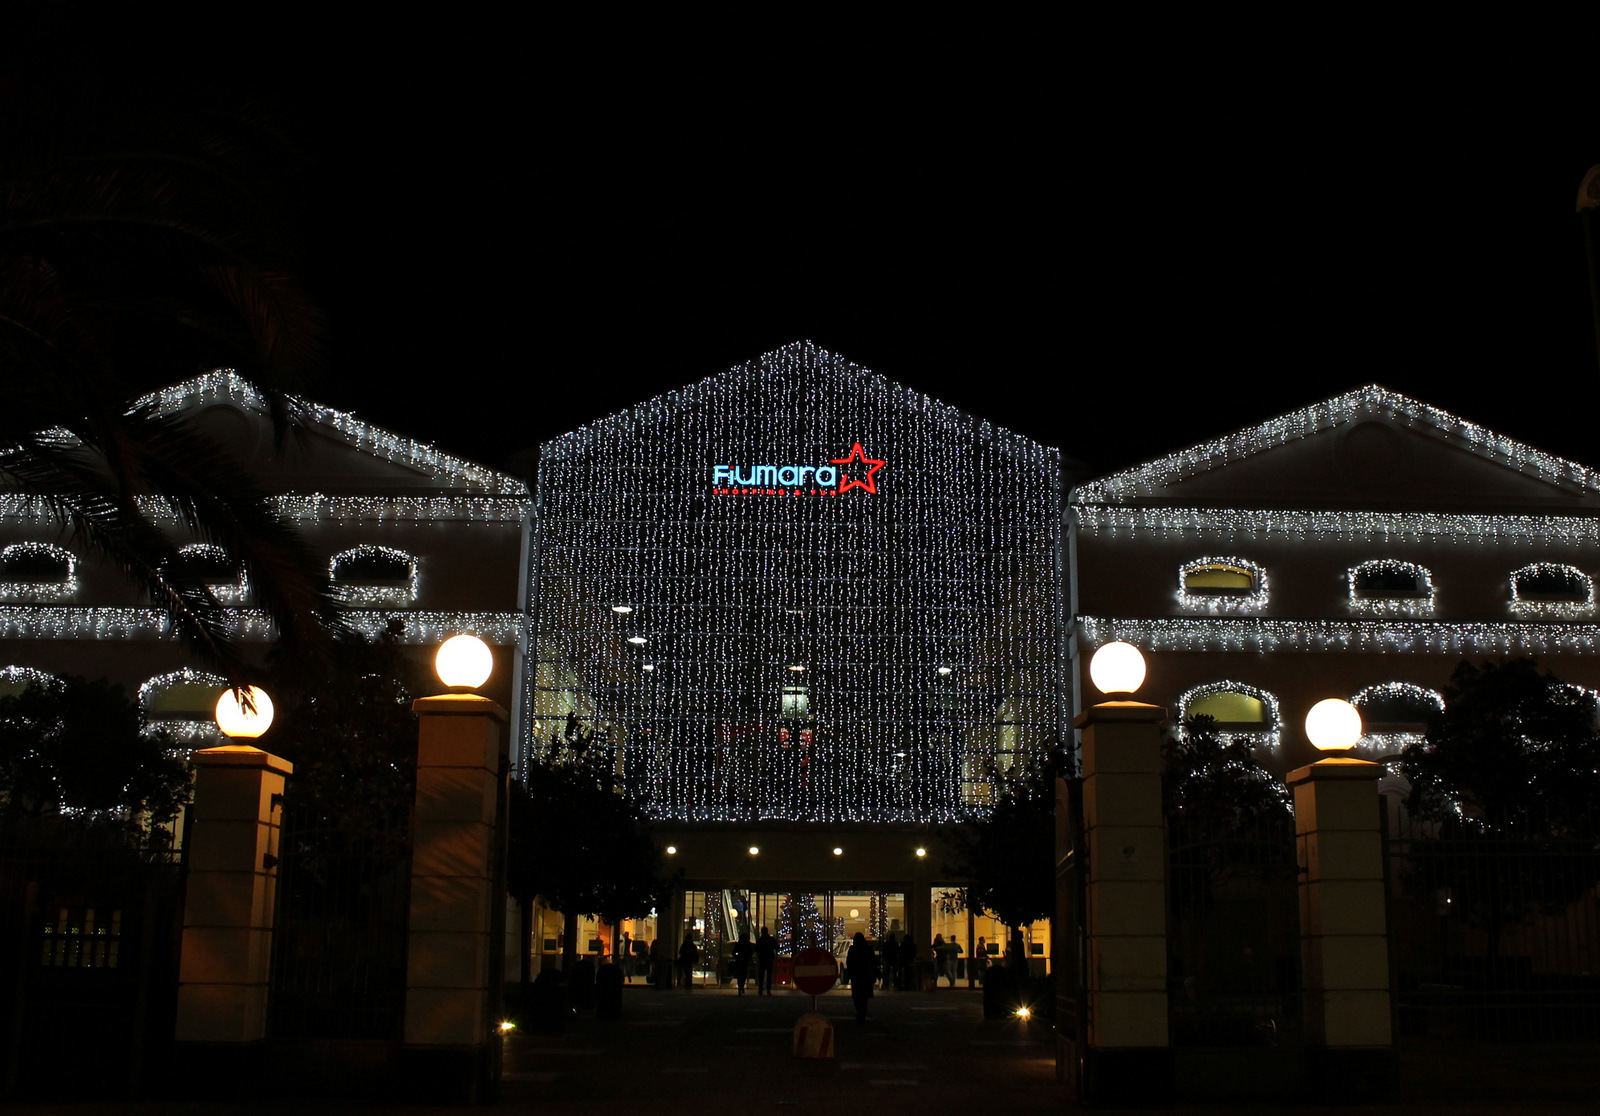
[{"x": 815, "y": 971}]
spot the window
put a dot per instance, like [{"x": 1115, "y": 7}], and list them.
[
  {"x": 34, "y": 571},
  {"x": 374, "y": 576},
  {"x": 1390, "y": 587},
  {"x": 1237, "y": 707},
  {"x": 1222, "y": 585},
  {"x": 15, "y": 679},
  {"x": 214, "y": 568},
  {"x": 1394, "y": 714},
  {"x": 183, "y": 704},
  {"x": 796, "y": 703},
  {"x": 1551, "y": 589}
]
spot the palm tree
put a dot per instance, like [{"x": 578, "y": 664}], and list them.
[{"x": 140, "y": 244}]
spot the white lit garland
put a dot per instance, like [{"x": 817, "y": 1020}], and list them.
[
  {"x": 1386, "y": 742},
  {"x": 1419, "y": 603},
  {"x": 227, "y": 592},
  {"x": 58, "y": 590},
  {"x": 224, "y": 384},
  {"x": 1372, "y": 400},
  {"x": 1268, "y": 733},
  {"x": 419, "y": 627},
  {"x": 1533, "y": 606},
  {"x": 367, "y": 595},
  {"x": 1261, "y": 524},
  {"x": 1197, "y": 601},
  {"x": 21, "y": 677},
  {"x": 952, "y": 563},
  {"x": 1252, "y": 633},
  {"x": 183, "y": 730}
]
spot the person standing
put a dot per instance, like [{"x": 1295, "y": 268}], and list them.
[
  {"x": 743, "y": 951},
  {"x": 941, "y": 960},
  {"x": 861, "y": 965},
  {"x": 908, "y": 962},
  {"x": 891, "y": 961},
  {"x": 688, "y": 958},
  {"x": 625, "y": 957},
  {"x": 766, "y": 957},
  {"x": 660, "y": 964}
]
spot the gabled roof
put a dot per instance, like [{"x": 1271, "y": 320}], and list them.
[
  {"x": 225, "y": 385},
  {"x": 796, "y": 361},
  {"x": 1369, "y": 402}
]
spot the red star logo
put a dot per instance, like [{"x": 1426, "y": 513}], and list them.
[{"x": 847, "y": 483}]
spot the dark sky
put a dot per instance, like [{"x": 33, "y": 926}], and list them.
[{"x": 1112, "y": 245}]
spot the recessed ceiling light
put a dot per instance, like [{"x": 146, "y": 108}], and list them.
[
  {"x": 637, "y": 640},
  {"x": 624, "y": 609},
  {"x": 649, "y": 666},
  {"x": 796, "y": 667},
  {"x": 944, "y": 670}
]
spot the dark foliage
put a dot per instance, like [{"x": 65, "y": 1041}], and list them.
[
  {"x": 579, "y": 840},
  {"x": 1007, "y": 856},
  {"x": 75, "y": 748}
]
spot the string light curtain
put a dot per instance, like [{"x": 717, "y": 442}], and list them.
[{"x": 798, "y": 591}]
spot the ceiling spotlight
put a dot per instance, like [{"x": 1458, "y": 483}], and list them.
[
  {"x": 837, "y": 851},
  {"x": 672, "y": 850},
  {"x": 649, "y": 666},
  {"x": 922, "y": 852},
  {"x": 624, "y": 609},
  {"x": 755, "y": 850},
  {"x": 944, "y": 670},
  {"x": 637, "y": 640},
  {"x": 796, "y": 667}
]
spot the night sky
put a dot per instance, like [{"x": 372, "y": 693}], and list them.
[{"x": 1114, "y": 246}]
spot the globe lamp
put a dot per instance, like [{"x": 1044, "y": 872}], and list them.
[
  {"x": 238, "y": 722},
  {"x": 1333, "y": 725},
  {"x": 1117, "y": 668},
  {"x": 463, "y": 661}
]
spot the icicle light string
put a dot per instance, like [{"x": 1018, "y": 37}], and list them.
[
  {"x": 46, "y": 622},
  {"x": 801, "y": 650},
  {"x": 1398, "y": 635}
]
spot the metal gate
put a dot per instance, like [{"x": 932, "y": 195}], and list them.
[{"x": 339, "y": 948}]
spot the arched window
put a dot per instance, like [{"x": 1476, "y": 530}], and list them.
[
  {"x": 215, "y": 568},
  {"x": 183, "y": 703},
  {"x": 1237, "y": 707},
  {"x": 1222, "y": 585},
  {"x": 373, "y": 576},
  {"x": 1391, "y": 587},
  {"x": 34, "y": 571},
  {"x": 1394, "y": 714},
  {"x": 1551, "y": 589},
  {"x": 15, "y": 679}
]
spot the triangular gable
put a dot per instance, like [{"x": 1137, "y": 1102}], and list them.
[
  {"x": 804, "y": 358},
  {"x": 419, "y": 458},
  {"x": 1182, "y": 476}
]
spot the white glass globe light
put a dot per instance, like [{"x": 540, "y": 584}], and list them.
[
  {"x": 246, "y": 724},
  {"x": 1117, "y": 668},
  {"x": 463, "y": 660},
  {"x": 1333, "y": 725}
]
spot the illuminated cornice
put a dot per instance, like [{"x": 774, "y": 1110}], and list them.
[
  {"x": 1369, "y": 401},
  {"x": 420, "y": 627},
  {"x": 1253, "y": 633},
  {"x": 1335, "y": 526}
]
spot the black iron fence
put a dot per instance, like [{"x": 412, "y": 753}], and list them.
[
  {"x": 1494, "y": 938},
  {"x": 339, "y": 950},
  {"x": 90, "y": 925}
]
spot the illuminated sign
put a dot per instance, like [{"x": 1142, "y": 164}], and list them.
[{"x": 839, "y": 475}]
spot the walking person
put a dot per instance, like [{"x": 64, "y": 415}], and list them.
[
  {"x": 861, "y": 965},
  {"x": 743, "y": 951},
  {"x": 952, "y": 966},
  {"x": 941, "y": 960},
  {"x": 766, "y": 956},
  {"x": 688, "y": 959}
]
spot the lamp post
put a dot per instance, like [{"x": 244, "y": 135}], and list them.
[
  {"x": 1121, "y": 1051},
  {"x": 1344, "y": 945},
  {"x": 229, "y": 904}
]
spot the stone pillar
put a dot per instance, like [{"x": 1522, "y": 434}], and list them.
[
  {"x": 1344, "y": 947},
  {"x": 450, "y": 962},
  {"x": 232, "y": 888},
  {"x": 1127, "y": 1056}
]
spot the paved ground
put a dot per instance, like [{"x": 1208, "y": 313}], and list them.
[{"x": 710, "y": 1052}]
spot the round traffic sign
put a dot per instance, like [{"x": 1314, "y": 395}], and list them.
[{"x": 815, "y": 971}]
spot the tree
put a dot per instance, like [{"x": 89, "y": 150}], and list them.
[
  {"x": 1007, "y": 855},
  {"x": 579, "y": 839},
  {"x": 1507, "y": 781},
  {"x": 74, "y": 747},
  {"x": 141, "y": 243}
]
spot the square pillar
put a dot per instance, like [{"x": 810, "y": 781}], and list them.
[
  {"x": 1344, "y": 946},
  {"x": 229, "y": 904},
  {"x": 1127, "y": 1056}
]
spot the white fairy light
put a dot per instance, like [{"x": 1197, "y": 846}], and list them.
[
  {"x": 373, "y": 593},
  {"x": 1197, "y": 600},
  {"x": 1332, "y": 525},
  {"x": 233, "y": 591},
  {"x": 1417, "y": 602},
  {"x": 1527, "y": 602},
  {"x": 33, "y": 589},
  {"x": 1255, "y": 633},
  {"x": 21, "y": 677},
  {"x": 418, "y": 626},
  {"x": 800, "y": 511},
  {"x": 1384, "y": 742}
]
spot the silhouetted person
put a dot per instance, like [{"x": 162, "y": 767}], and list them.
[
  {"x": 688, "y": 958},
  {"x": 891, "y": 962},
  {"x": 660, "y": 964},
  {"x": 766, "y": 957},
  {"x": 743, "y": 952},
  {"x": 908, "y": 962},
  {"x": 861, "y": 965},
  {"x": 941, "y": 960}
]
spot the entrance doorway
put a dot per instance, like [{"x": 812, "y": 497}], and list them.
[{"x": 799, "y": 920}]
